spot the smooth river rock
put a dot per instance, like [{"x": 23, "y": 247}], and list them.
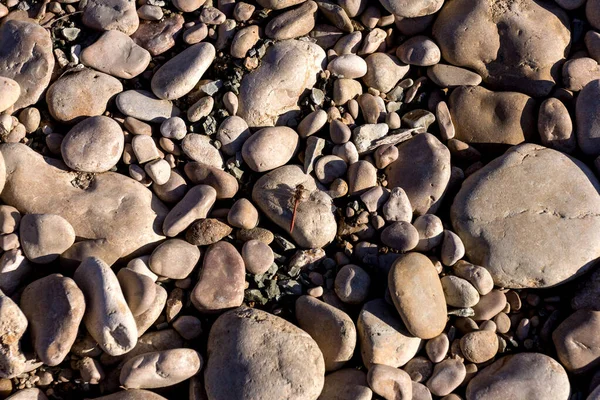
[
  {"x": 412, "y": 8},
  {"x": 274, "y": 193},
  {"x": 577, "y": 341},
  {"x": 145, "y": 106},
  {"x": 270, "y": 148},
  {"x": 256, "y": 355},
  {"x": 269, "y": 95},
  {"x": 527, "y": 234},
  {"x": 114, "y": 215},
  {"x": 160, "y": 369}
]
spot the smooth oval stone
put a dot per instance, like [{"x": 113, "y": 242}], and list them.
[
  {"x": 348, "y": 66},
  {"x": 293, "y": 23},
  {"x": 422, "y": 169},
  {"x": 174, "y": 259},
  {"x": 116, "y": 215},
  {"x": 417, "y": 293},
  {"x": 173, "y": 190},
  {"x": 419, "y": 50},
  {"x": 132, "y": 394},
  {"x": 199, "y": 148},
  {"x": 383, "y": 337},
  {"x": 352, "y": 284},
  {"x": 45, "y": 236},
  {"x": 11, "y": 91},
  {"x": 139, "y": 290},
  {"x": 489, "y": 305},
  {"x": 384, "y": 71},
  {"x": 221, "y": 281},
  {"x": 501, "y": 42},
  {"x": 459, "y": 292},
  {"x": 55, "y": 306},
  {"x": 588, "y": 128},
  {"x": 93, "y": 145},
  {"x": 145, "y": 106},
  {"x": 492, "y": 120},
  {"x": 256, "y": 355},
  {"x": 158, "y": 37},
  {"x": 160, "y": 369},
  {"x": 178, "y": 76},
  {"x": 330, "y": 327},
  {"x": 479, "y": 346},
  {"x": 274, "y": 192},
  {"x": 446, "y": 377},
  {"x": 448, "y": 76},
  {"x": 105, "y": 15},
  {"x": 258, "y": 256},
  {"x": 477, "y": 276},
  {"x": 270, "y": 148},
  {"x": 145, "y": 320},
  {"x": 401, "y": 236},
  {"x": 26, "y": 57},
  {"x": 577, "y": 341},
  {"x": 264, "y": 100},
  {"x": 116, "y": 54},
  {"x": 107, "y": 316},
  {"x": 232, "y": 134},
  {"x": 224, "y": 183},
  {"x": 244, "y": 40},
  {"x": 555, "y": 126},
  {"x": 196, "y": 204},
  {"x": 79, "y": 94},
  {"x": 243, "y": 215},
  {"x": 531, "y": 376},
  {"x": 525, "y": 234},
  {"x": 412, "y": 9},
  {"x": 390, "y": 382},
  {"x": 329, "y": 168},
  {"x": 346, "y": 384}
]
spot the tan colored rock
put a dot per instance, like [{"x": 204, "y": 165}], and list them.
[
  {"x": 479, "y": 346},
  {"x": 11, "y": 91},
  {"x": 384, "y": 71},
  {"x": 105, "y": 15},
  {"x": 158, "y": 37},
  {"x": 412, "y": 9},
  {"x": 160, "y": 369},
  {"x": 556, "y": 127},
  {"x": 196, "y": 204},
  {"x": 293, "y": 23},
  {"x": 174, "y": 259},
  {"x": 346, "y": 384},
  {"x": 132, "y": 394},
  {"x": 390, "y": 383},
  {"x": 139, "y": 290},
  {"x": 44, "y": 237},
  {"x": 577, "y": 341},
  {"x": 224, "y": 183},
  {"x": 446, "y": 377},
  {"x": 145, "y": 106},
  {"x": 270, "y": 148},
  {"x": 146, "y": 319},
  {"x": 588, "y": 128},
  {"x": 13, "y": 325}
]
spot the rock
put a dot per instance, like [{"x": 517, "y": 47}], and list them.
[
  {"x": 423, "y": 171},
  {"x": 116, "y": 54},
  {"x": 243, "y": 215},
  {"x": 132, "y": 394},
  {"x": 578, "y": 72},
  {"x": 26, "y": 57},
  {"x": 592, "y": 42},
  {"x": 158, "y": 37},
  {"x": 270, "y": 148},
  {"x": 10, "y": 218},
  {"x": 477, "y": 276},
  {"x": 199, "y": 148},
  {"x": 448, "y": 76},
  {"x": 45, "y": 236},
  {"x": 419, "y": 50},
  {"x": 452, "y": 248},
  {"x": 446, "y": 377},
  {"x": 174, "y": 259},
  {"x": 189, "y": 327},
  {"x": 293, "y": 23},
  {"x": 28, "y": 394},
  {"x": 531, "y": 376},
  {"x": 400, "y": 235},
  {"x": 479, "y": 346},
  {"x": 412, "y": 9},
  {"x": 188, "y": 5},
  {"x": 430, "y": 230},
  {"x": 352, "y": 284},
  {"x": 398, "y": 207},
  {"x": 14, "y": 270},
  {"x": 241, "y": 365},
  {"x": 278, "y": 4},
  {"x": 12, "y": 328},
  {"x": 264, "y": 101},
  {"x": 345, "y": 90},
  {"x": 159, "y": 171},
  {"x": 221, "y": 282},
  {"x": 383, "y": 71},
  {"x": 178, "y": 76},
  {"x": 244, "y": 40},
  {"x": 146, "y": 319},
  {"x": 329, "y": 168},
  {"x": 11, "y": 91},
  {"x": 160, "y": 369},
  {"x": 588, "y": 295},
  {"x": 577, "y": 342},
  {"x": 139, "y": 290},
  {"x": 173, "y": 190},
  {"x": 196, "y": 204},
  {"x": 121, "y": 216},
  {"x": 331, "y": 328},
  {"x": 509, "y": 223},
  {"x": 232, "y": 134},
  {"x": 207, "y": 231},
  {"x": 273, "y": 193},
  {"x": 555, "y": 126},
  {"x": 502, "y": 43},
  {"x": 588, "y": 128},
  {"x": 258, "y": 257},
  {"x": 459, "y": 292},
  {"x": 84, "y": 93},
  {"x": 348, "y": 66},
  {"x": 107, "y": 15},
  {"x": 389, "y": 382},
  {"x": 346, "y": 384},
  {"x": 362, "y": 175},
  {"x": 365, "y": 136},
  {"x": 418, "y": 295},
  {"x": 437, "y": 348},
  {"x": 224, "y": 183},
  {"x": 145, "y": 106},
  {"x": 54, "y": 305},
  {"x": 492, "y": 119},
  {"x": 489, "y": 306},
  {"x": 107, "y": 316},
  {"x": 93, "y": 145}
]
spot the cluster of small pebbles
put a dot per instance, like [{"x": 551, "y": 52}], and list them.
[{"x": 299, "y": 199}]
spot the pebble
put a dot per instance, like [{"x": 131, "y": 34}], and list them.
[
  {"x": 243, "y": 215},
  {"x": 196, "y": 33},
  {"x": 362, "y": 175},
  {"x": 293, "y": 23},
  {"x": 312, "y": 123},
  {"x": 188, "y": 326},
  {"x": 339, "y": 132},
  {"x": 233, "y": 133},
  {"x": 45, "y": 236},
  {"x": 291, "y": 366},
  {"x": 578, "y": 72},
  {"x": 199, "y": 148},
  {"x": 174, "y": 259},
  {"x": 207, "y": 231},
  {"x": 173, "y": 128},
  {"x": 270, "y": 148},
  {"x": 178, "y": 76},
  {"x": 146, "y": 319},
  {"x": 348, "y": 66},
  {"x": 374, "y": 198},
  {"x": 592, "y": 42},
  {"x": 453, "y": 248},
  {"x": 447, "y": 376},
  {"x": 419, "y": 50},
  {"x": 365, "y": 136},
  {"x": 329, "y": 168},
  {"x": 345, "y": 90},
  {"x": 145, "y": 106},
  {"x": 418, "y": 295},
  {"x": 489, "y": 305},
  {"x": 160, "y": 369},
  {"x": 347, "y": 383},
  {"x": 556, "y": 127},
  {"x": 459, "y": 292},
  {"x": 158, "y": 37},
  {"x": 479, "y": 346},
  {"x": 450, "y": 76},
  {"x": 430, "y": 229},
  {"x": 533, "y": 375},
  {"x": 159, "y": 171},
  {"x": 389, "y": 382},
  {"x": 400, "y": 235},
  {"x": 386, "y": 154},
  {"x": 144, "y": 148},
  {"x": 477, "y": 276},
  {"x": 221, "y": 281},
  {"x": 352, "y": 284},
  {"x": 105, "y": 15},
  {"x": 116, "y": 54},
  {"x": 200, "y": 109},
  {"x": 14, "y": 325},
  {"x": 244, "y": 40},
  {"x": 196, "y": 204},
  {"x": 437, "y": 348},
  {"x": 258, "y": 257},
  {"x": 28, "y": 394},
  {"x": 331, "y": 328},
  {"x": 14, "y": 269},
  {"x": 10, "y": 93},
  {"x": 576, "y": 341},
  {"x": 93, "y": 145},
  {"x": 91, "y": 371},
  {"x": 384, "y": 71},
  {"x": 188, "y": 6},
  {"x": 398, "y": 207},
  {"x": 54, "y": 305},
  {"x": 224, "y": 183},
  {"x": 107, "y": 316},
  {"x": 150, "y": 13}
]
